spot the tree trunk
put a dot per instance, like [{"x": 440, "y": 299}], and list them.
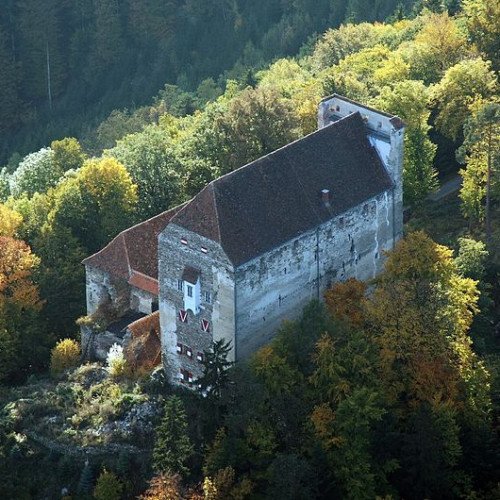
[
  {"x": 49, "y": 89},
  {"x": 488, "y": 194}
]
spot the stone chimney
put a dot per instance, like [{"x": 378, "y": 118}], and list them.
[{"x": 325, "y": 197}]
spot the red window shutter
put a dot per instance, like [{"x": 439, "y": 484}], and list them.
[
  {"x": 205, "y": 325},
  {"x": 183, "y": 316}
]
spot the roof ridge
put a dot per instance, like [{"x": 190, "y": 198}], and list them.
[
  {"x": 145, "y": 275},
  {"x": 214, "y": 197},
  {"x": 103, "y": 248},
  {"x": 122, "y": 234},
  {"x": 154, "y": 217}
]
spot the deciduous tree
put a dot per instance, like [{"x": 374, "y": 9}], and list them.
[
  {"x": 462, "y": 85},
  {"x": 481, "y": 148}
]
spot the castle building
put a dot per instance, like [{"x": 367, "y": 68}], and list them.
[{"x": 256, "y": 245}]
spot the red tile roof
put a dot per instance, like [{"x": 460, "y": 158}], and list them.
[
  {"x": 144, "y": 325},
  {"x": 144, "y": 351},
  {"x": 133, "y": 254},
  {"x": 144, "y": 282}
]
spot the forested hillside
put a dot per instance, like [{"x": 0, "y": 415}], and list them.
[
  {"x": 389, "y": 389},
  {"x": 67, "y": 64}
]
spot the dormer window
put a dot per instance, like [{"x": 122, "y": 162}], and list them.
[
  {"x": 192, "y": 289},
  {"x": 184, "y": 241},
  {"x": 204, "y": 250}
]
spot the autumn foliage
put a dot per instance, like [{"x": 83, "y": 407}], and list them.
[
  {"x": 17, "y": 289},
  {"x": 66, "y": 354}
]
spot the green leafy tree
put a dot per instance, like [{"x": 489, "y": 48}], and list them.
[
  {"x": 481, "y": 148},
  {"x": 96, "y": 203},
  {"x": 252, "y": 124},
  {"x": 172, "y": 445},
  {"x": 408, "y": 100},
  {"x": 442, "y": 43},
  {"x": 67, "y": 154},
  {"x": 154, "y": 166},
  {"x": 482, "y": 22},
  {"x": 462, "y": 85},
  {"x": 346, "y": 410},
  {"x": 61, "y": 277},
  {"x": 36, "y": 173},
  {"x": 339, "y": 43},
  {"x": 471, "y": 258}
]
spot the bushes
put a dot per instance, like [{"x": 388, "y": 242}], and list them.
[
  {"x": 117, "y": 364},
  {"x": 66, "y": 354}
]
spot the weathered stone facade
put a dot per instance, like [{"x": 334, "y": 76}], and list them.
[
  {"x": 277, "y": 285},
  {"x": 216, "y": 278}
]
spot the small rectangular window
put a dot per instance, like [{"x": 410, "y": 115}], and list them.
[
  {"x": 190, "y": 291},
  {"x": 180, "y": 285},
  {"x": 184, "y": 241},
  {"x": 199, "y": 357},
  {"x": 179, "y": 348},
  {"x": 189, "y": 352},
  {"x": 208, "y": 297},
  {"x": 204, "y": 250}
]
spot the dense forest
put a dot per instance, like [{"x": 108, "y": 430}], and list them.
[
  {"x": 67, "y": 64},
  {"x": 387, "y": 389}
]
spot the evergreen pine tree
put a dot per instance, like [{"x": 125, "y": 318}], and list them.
[
  {"x": 434, "y": 5},
  {"x": 123, "y": 464},
  {"x": 108, "y": 487},
  {"x": 172, "y": 446},
  {"x": 86, "y": 482},
  {"x": 215, "y": 365}
]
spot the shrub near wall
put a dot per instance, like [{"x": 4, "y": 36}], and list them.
[{"x": 66, "y": 354}]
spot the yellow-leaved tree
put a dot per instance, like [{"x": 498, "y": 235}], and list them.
[{"x": 19, "y": 305}]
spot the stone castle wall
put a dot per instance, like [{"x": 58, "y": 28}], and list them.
[{"x": 278, "y": 284}]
